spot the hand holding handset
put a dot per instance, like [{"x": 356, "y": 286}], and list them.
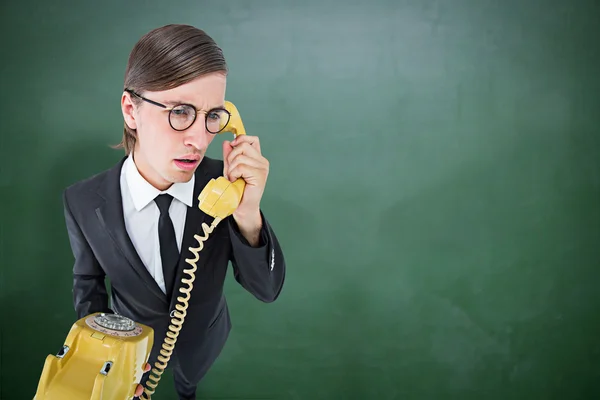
[{"x": 104, "y": 355}]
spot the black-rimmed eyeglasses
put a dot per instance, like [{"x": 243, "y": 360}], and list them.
[{"x": 182, "y": 116}]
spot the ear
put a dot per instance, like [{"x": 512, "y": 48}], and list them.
[{"x": 128, "y": 110}]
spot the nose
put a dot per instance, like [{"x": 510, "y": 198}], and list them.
[{"x": 197, "y": 135}]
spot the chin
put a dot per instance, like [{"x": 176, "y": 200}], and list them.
[{"x": 180, "y": 176}]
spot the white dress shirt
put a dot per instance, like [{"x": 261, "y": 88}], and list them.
[{"x": 141, "y": 215}]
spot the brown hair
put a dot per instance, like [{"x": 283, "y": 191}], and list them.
[{"x": 165, "y": 58}]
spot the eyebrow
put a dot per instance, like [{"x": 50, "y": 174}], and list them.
[
  {"x": 174, "y": 102},
  {"x": 179, "y": 102}
]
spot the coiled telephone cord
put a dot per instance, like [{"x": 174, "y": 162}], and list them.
[{"x": 177, "y": 321}]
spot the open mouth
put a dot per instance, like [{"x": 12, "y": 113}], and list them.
[{"x": 186, "y": 164}]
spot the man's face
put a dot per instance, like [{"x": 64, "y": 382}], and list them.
[{"x": 159, "y": 148}]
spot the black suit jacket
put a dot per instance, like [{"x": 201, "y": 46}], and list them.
[{"x": 102, "y": 248}]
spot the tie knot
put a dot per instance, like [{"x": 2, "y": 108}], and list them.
[{"x": 163, "y": 201}]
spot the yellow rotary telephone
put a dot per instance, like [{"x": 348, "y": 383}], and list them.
[{"x": 104, "y": 354}]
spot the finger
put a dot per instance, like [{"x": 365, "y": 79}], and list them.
[
  {"x": 246, "y": 161},
  {"x": 252, "y": 176},
  {"x": 244, "y": 148},
  {"x": 147, "y": 367},
  {"x": 227, "y": 149},
  {"x": 139, "y": 390},
  {"x": 251, "y": 140},
  {"x": 243, "y": 172}
]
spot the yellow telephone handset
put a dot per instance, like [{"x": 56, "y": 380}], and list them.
[
  {"x": 104, "y": 354},
  {"x": 220, "y": 197}
]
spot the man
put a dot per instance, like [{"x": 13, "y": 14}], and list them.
[{"x": 134, "y": 222}]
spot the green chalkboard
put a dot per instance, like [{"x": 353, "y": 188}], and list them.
[{"x": 435, "y": 185}]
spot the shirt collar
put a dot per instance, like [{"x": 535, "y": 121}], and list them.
[{"x": 142, "y": 192}]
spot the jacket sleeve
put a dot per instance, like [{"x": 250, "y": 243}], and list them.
[
  {"x": 260, "y": 270},
  {"x": 89, "y": 289}
]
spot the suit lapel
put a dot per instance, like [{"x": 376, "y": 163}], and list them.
[{"x": 110, "y": 214}]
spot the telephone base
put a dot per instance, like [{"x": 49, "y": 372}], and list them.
[{"x": 102, "y": 358}]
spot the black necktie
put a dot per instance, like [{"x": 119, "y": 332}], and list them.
[{"x": 168, "y": 245}]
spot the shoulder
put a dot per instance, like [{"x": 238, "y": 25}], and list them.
[{"x": 92, "y": 184}]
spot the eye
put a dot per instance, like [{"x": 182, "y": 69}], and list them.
[
  {"x": 217, "y": 114},
  {"x": 182, "y": 111}
]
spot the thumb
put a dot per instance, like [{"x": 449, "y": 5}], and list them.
[{"x": 226, "y": 151}]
